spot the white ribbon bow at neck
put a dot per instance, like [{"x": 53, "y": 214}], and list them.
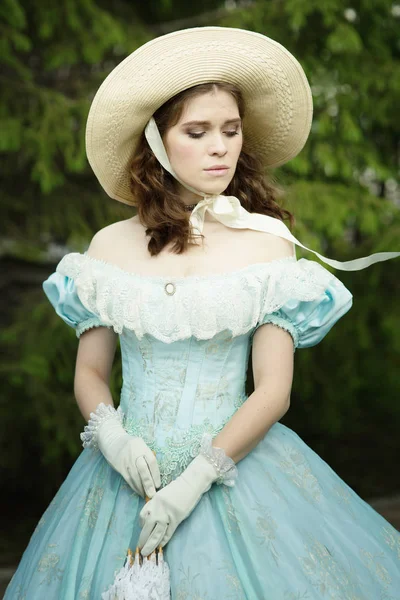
[{"x": 229, "y": 211}]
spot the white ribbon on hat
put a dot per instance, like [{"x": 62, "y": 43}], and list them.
[{"x": 229, "y": 211}]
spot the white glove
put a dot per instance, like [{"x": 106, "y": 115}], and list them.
[
  {"x": 174, "y": 503},
  {"x": 130, "y": 456}
]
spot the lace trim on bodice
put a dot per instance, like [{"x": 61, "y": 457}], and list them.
[
  {"x": 201, "y": 306},
  {"x": 178, "y": 449}
]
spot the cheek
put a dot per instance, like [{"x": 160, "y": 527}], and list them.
[
  {"x": 238, "y": 146},
  {"x": 184, "y": 152}
]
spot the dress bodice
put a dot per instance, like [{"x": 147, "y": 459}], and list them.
[
  {"x": 191, "y": 383},
  {"x": 185, "y": 342}
]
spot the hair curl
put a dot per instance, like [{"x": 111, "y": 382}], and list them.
[{"x": 154, "y": 192}]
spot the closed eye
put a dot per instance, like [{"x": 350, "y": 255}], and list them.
[
  {"x": 200, "y": 135},
  {"x": 196, "y": 135}
]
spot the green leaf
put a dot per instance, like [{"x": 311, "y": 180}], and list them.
[{"x": 344, "y": 40}]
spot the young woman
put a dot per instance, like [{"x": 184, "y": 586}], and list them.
[{"x": 183, "y": 130}]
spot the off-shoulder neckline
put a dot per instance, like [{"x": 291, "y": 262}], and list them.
[{"x": 185, "y": 279}]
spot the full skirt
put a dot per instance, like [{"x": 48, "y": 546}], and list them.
[{"x": 290, "y": 529}]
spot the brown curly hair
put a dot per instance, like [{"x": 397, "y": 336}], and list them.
[{"x": 154, "y": 189}]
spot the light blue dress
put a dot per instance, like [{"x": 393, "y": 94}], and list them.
[{"x": 290, "y": 529}]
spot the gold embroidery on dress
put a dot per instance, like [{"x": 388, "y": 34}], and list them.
[
  {"x": 166, "y": 404},
  {"x": 146, "y": 351},
  {"x": 90, "y": 503},
  {"x": 212, "y": 394},
  {"x": 331, "y": 578},
  {"x": 273, "y": 486},
  {"x": 375, "y": 567},
  {"x": 171, "y": 376},
  {"x": 289, "y": 595},
  {"x": 215, "y": 344},
  {"x": 392, "y": 539},
  {"x": 20, "y": 593},
  {"x": 267, "y": 526},
  {"x": 84, "y": 591},
  {"x": 48, "y": 564},
  {"x": 344, "y": 498},
  {"x": 40, "y": 524},
  {"x": 125, "y": 487},
  {"x": 187, "y": 587},
  {"x": 111, "y": 525},
  {"x": 296, "y": 467},
  {"x": 229, "y": 517},
  {"x": 236, "y": 591},
  {"x": 233, "y": 590}
]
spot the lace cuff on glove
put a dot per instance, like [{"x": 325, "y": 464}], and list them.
[
  {"x": 101, "y": 414},
  {"x": 224, "y": 465}
]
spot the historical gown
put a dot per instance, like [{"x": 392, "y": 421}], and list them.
[{"x": 290, "y": 528}]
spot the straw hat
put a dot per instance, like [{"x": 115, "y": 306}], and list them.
[{"x": 275, "y": 89}]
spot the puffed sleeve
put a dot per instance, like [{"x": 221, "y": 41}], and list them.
[
  {"x": 309, "y": 320},
  {"x": 62, "y": 293}
]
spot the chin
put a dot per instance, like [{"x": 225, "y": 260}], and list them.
[
  {"x": 214, "y": 190},
  {"x": 218, "y": 192}
]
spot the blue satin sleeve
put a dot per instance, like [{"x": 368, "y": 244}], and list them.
[
  {"x": 62, "y": 294},
  {"x": 308, "y": 322}
]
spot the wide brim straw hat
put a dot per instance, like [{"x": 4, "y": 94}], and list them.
[{"x": 276, "y": 93}]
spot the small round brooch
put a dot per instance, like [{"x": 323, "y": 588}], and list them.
[{"x": 170, "y": 288}]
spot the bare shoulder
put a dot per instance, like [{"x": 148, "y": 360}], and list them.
[
  {"x": 274, "y": 247},
  {"x": 112, "y": 239}
]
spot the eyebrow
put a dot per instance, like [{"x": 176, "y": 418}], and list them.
[{"x": 228, "y": 122}]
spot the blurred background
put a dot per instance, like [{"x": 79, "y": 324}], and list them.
[{"x": 343, "y": 190}]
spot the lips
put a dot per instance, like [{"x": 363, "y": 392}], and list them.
[
  {"x": 218, "y": 171},
  {"x": 217, "y": 168}
]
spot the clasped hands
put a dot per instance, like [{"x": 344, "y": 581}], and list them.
[
  {"x": 167, "y": 508},
  {"x": 171, "y": 505},
  {"x": 130, "y": 456}
]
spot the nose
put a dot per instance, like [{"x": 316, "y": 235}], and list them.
[{"x": 218, "y": 146}]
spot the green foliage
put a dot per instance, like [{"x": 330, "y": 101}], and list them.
[
  {"x": 352, "y": 62},
  {"x": 39, "y": 374},
  {"x": 54, "y": 56},
  {"x": 156, "y": 11}
]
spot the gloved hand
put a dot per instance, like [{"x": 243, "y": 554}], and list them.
[
  {"x": 173, "y": 503},
  {"x": 130, "y": 456}
]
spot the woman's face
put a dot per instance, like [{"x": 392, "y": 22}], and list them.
[{"x": 204, "y": 146}]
